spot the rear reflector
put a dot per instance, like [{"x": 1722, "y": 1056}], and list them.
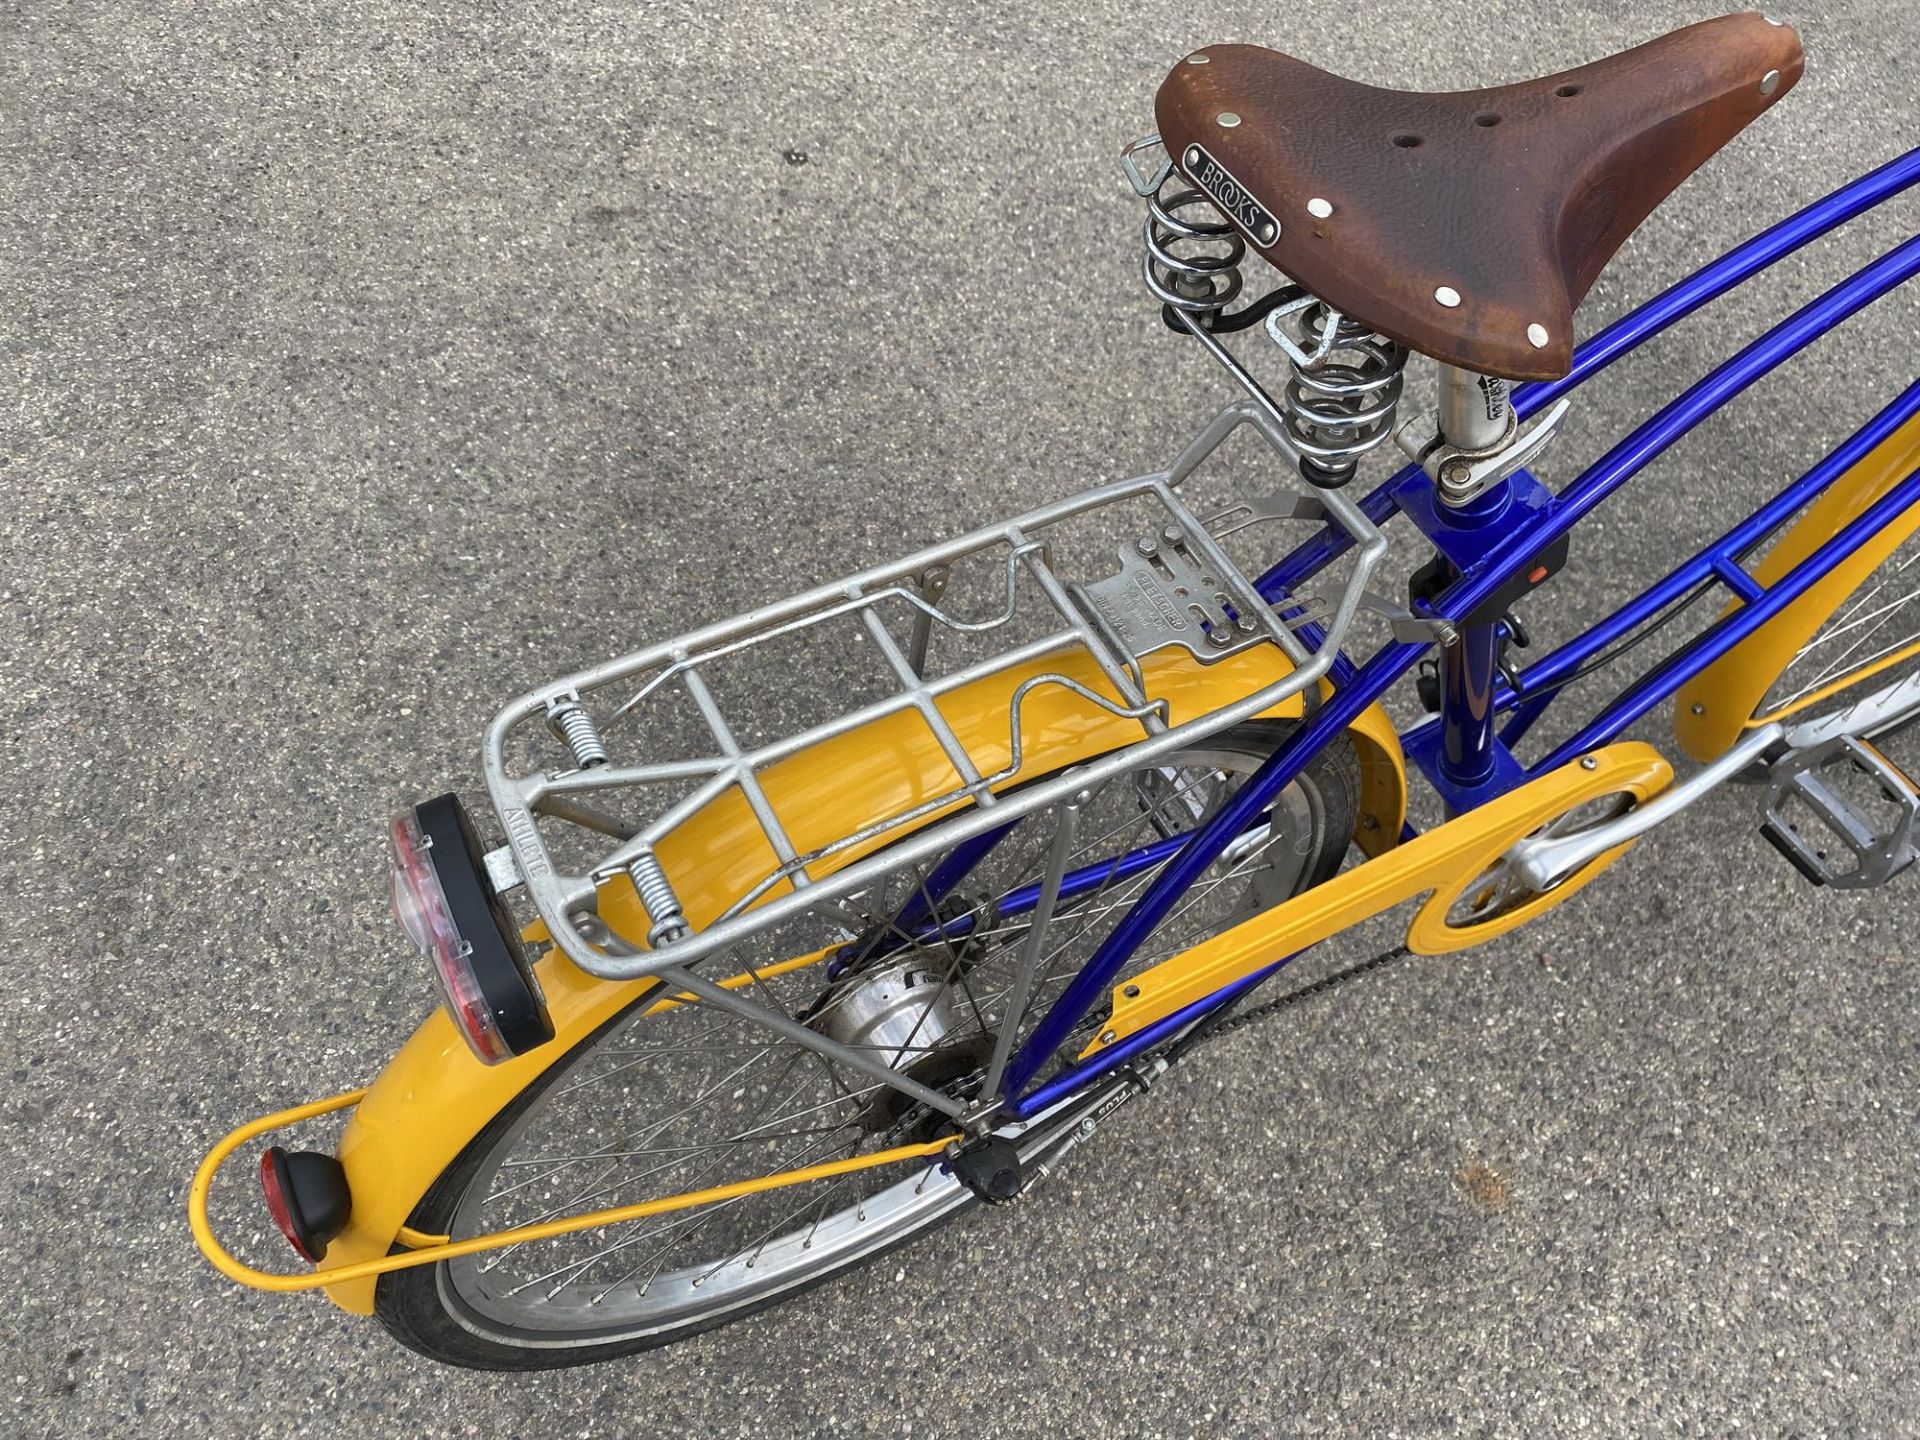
[
  {"x": 447, "y": 906},
  {"x": 307, "y": 1197}
]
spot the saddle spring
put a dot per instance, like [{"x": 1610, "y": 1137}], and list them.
[
  {"x": 1344, "y": 382},
  {"x": 1343, "y": 389},
  {"x": 1193, "y": 257}
]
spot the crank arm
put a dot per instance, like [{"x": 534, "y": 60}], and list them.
[{"x": 1542, "y": 862}]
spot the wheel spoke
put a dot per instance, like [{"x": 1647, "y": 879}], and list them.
[
  {"x": 1853, "y": 630},
  {"x": 686, "y": 1096}
]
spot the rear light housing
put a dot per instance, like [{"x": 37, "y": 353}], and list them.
[
  {"x": 307, "y": 1197},
  {"x": 447, "y": 906}
]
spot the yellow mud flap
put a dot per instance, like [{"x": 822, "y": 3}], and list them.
[{"x": 424, "y": 1249}]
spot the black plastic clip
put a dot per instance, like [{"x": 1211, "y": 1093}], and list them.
[{"x": 990, "y": 1168}]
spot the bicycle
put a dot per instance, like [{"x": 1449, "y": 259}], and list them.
[{"x": 747, "y": 998}]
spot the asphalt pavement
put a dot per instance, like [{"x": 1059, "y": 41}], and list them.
[{"x": 366, "y": 364}]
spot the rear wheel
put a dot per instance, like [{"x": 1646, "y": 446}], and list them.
[{"x": 676, "y": 1095}]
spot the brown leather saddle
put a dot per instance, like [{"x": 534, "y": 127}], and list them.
[{"x": 1467, "y": 225}]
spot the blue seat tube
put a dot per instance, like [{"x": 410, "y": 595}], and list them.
[
  {"x": 1476, "y": 414},
  {"x": 1468, "y": 668}
]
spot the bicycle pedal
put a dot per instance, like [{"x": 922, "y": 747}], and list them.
[{"x": 1843, "y": 798}]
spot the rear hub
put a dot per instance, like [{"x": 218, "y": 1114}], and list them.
[{"x": 909, "y": 1015}]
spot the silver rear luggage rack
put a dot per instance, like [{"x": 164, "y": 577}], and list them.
[{"x": 1152, "y": 602}]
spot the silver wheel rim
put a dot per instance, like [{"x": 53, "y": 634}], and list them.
[{"x": 696, "y": 1268}]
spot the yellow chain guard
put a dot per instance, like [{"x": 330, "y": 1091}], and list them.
[{"x": 1444, "y": 861}]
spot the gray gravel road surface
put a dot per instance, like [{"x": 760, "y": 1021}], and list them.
[{"x": 367, "y": 363}]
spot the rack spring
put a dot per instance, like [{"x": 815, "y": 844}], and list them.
[
  {"x": 1193, "y": 257},
  {"x": 569, "y": 721},
  {"x": 656, "y": 893},
  {"x": 1344, "y": 387}
]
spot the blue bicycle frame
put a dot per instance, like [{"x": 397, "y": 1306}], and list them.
[{"x": 1463, "y": 755}]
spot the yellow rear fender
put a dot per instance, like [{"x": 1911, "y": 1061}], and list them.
[{"x": 435, "y": 1097}]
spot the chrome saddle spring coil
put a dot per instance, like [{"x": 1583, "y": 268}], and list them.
[
  {"x": 1192, "y": 262},
  {"x": 1342, "y": 404}
]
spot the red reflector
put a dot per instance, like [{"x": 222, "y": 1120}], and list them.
[
  {"x": 1537, "y": 574},
  {"x": 280, "y": 1206},
  {"x": 420, "y": 905}
]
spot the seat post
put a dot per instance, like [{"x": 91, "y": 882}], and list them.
[{"x": 1476, "y": 411}]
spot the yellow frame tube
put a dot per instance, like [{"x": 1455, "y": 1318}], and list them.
[
  {"x": 1445, "y": 860},
  {"x": 1715, "y": 706},
  {"x": 434, "y": 1096},
  {"x": 432, "y": 1249}
]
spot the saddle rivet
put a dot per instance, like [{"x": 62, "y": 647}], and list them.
[
  {"x": 1769, "y": 83},
  {"x": 1447, "y": 296},
  {"x": 1587, "y": 762},
  {"x": 1226, "y": 119},
  {"x": 1319, "y": 208},
  {"x": 1537, "y": 335},
  {"x": 1198, "y": 59}
]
